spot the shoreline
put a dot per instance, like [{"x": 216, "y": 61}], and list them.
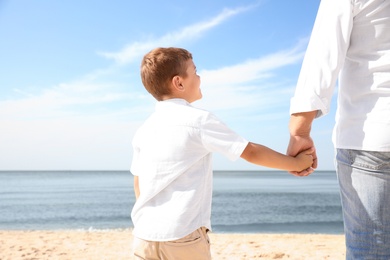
[{"x": 116, "y": 244}]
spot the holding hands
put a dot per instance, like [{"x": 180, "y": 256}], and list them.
[
  {"x": 300, "y": 140},
  {"x": 305, "y": 162}
]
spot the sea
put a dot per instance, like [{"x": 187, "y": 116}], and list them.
[{"x": 243, "y": 201}]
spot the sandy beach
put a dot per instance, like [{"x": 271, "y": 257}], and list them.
[{"x": 116, "y": 245}]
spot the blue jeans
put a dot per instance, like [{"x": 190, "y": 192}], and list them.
[{"x": 364, "y": 179}]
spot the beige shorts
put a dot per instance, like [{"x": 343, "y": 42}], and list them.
[{"x": 195, "y": 246}]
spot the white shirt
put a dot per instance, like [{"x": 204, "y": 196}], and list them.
[
  {"x": 173, "y": 161},
  {"x": 350, "y": 39}
]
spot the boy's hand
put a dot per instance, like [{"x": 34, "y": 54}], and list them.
[{"x": 305, "y": 161}]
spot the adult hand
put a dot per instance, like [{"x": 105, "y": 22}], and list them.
[{"x": 300, "y": 127}]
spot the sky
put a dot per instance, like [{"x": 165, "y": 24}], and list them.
[{"x": 71, "y": 97}]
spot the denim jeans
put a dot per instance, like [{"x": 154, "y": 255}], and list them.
[{"x": 364, "y": 179}]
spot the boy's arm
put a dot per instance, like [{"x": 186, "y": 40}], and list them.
[
  {"x": 262, "y": 155},
  {"x": 136, "y": 187}
]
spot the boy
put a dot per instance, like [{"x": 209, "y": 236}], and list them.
[{"x": 172, "y": 163}]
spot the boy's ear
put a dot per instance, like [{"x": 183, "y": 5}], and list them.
[{"x": 177, "y": 83}]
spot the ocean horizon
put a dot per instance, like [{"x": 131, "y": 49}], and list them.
[{"x": 243, "y": 201}]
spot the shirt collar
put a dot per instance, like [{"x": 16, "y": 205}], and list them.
[{"x": 177, "y": 101}]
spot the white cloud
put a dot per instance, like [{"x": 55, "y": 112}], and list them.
[
  {"x": 135, "y": 50},
  {"x": 251, "y": 70},
  {"x": 61, "y": 100},
  {"x": 248, "y": 84}
]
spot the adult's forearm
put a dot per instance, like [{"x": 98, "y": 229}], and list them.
[{"x": 300, "y": 123}]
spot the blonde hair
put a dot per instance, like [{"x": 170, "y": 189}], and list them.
[{"x": 159, "y": 66}]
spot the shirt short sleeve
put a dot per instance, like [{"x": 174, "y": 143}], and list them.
[{"x": 217, "y": 137}]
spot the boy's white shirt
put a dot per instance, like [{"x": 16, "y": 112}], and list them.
[{"x": 173, "y": 159}]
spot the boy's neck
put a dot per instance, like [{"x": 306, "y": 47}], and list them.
[{"x": 165, "y": 98}]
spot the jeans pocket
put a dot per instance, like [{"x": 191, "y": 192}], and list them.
[
  {"x": 370, "y": 160},
  {"x": 376, "y": 161}
]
